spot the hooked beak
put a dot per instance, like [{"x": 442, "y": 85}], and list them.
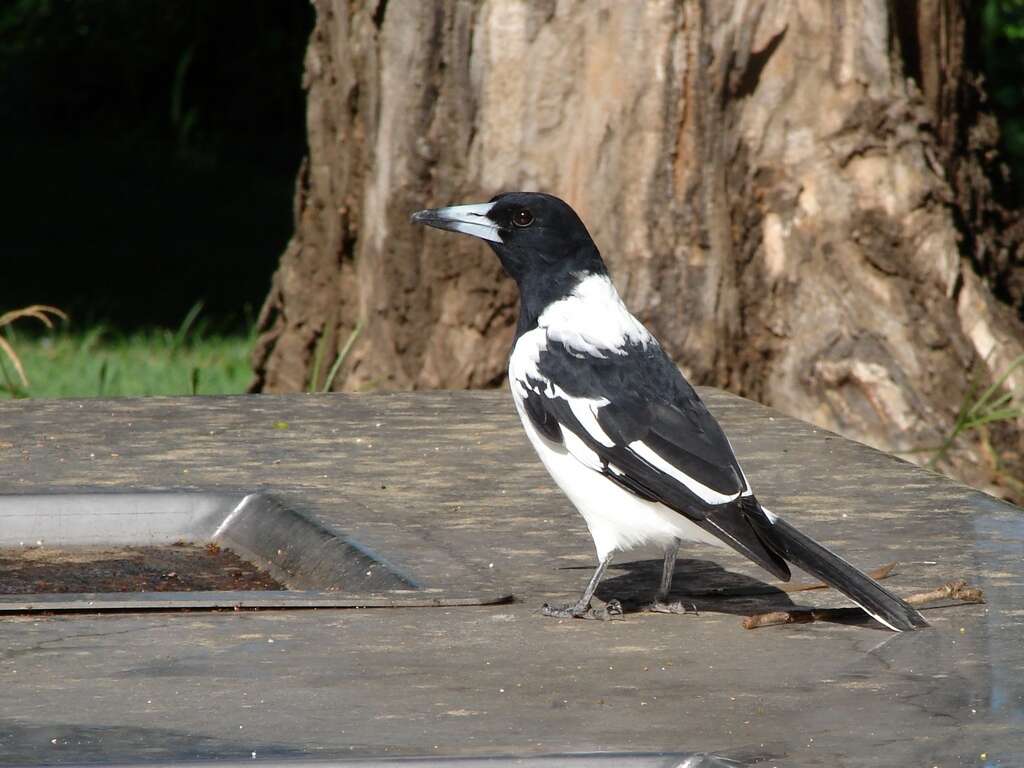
[{"x": 467, "y": 219}]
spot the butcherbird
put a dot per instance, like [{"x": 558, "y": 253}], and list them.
[{"x": 619, "y": 428}]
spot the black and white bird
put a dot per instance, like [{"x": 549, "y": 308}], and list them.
[{"x": 622, "y": 433}]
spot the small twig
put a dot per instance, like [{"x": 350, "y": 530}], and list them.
[
  {"x": 951, "y": 590},
  {"x": 878, "y": 574},
  {"x": 782, "y": 617}
]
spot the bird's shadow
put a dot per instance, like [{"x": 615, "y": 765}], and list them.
[{"x": 704, "y": 586}]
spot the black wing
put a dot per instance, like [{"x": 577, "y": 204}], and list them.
[{"x": 651, "y": 434}]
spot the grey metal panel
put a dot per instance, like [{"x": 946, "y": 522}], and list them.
[
  {"x": 445, "y": 485},
  {"x": 302, "y": 553},
  {"x": 94, "y": 602},
  {"x": 323, "y": 567},
  {"x": 113, "y": 519}
]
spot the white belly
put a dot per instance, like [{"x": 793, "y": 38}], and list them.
[{"x": 617, "y": 519}]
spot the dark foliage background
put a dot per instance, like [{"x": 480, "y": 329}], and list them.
[
  {"x": 1003, "y": 46},
  {"x": 149, "y": 153},
  {"x": 149, "y": 149}
]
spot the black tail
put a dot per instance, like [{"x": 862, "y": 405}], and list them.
[{"x": 805, "y": 552}]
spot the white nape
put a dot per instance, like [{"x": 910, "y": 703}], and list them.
[{"x": 592, "y": 320}]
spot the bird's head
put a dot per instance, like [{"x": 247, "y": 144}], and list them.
[{"x": 537, "y": 237}]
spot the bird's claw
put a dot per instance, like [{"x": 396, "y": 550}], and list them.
[
  {"x": 566, "y": 611},
  {"x": 612, "y": 610},
  {"x": 677, "y": 606}
]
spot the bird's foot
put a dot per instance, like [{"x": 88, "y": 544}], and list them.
[
  {"x": 677, "y": 606},
  {"x": 612, "y": 610}
]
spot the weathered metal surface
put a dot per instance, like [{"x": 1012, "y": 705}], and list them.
[
  {"x": 325, "y": 567},
  {"x": 445, "y": 473}
]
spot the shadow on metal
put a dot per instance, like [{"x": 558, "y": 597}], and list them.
[
  {"x": 69, "y": 746},
  {"x": 321, "y": 567},
  {"x": 591, "y": 760}
]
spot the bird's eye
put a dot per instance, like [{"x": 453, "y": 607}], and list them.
[{"x": 522, "y": 218}]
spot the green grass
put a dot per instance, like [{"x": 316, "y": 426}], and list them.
[{"x": 98, "y": 362}]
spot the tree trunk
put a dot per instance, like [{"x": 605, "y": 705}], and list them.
[{"x": 792, "y": 194}]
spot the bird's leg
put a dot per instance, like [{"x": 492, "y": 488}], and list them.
[
  {"x": 668, "y": 569},
  {"x": 582, "y": 608}
]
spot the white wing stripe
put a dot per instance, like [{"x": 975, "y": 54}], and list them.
[
  {"x": 580, "y": 451},
  {"x": 584, "y": 411},
  {"x": 709, "y": 495}
]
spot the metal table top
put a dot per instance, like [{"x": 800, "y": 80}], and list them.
[{"x": 450, "y": 475}]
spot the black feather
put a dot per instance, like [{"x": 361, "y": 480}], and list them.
[
  {"x": 802, "y": 550},
  {"x": 628, "y": 483},
  {"x": 542, "y": 418},
  {"x": 648, "y": 401},
  {"x": 734, "y": 523}
]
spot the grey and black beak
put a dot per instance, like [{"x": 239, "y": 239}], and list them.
[{"x": 467, "y": 219}]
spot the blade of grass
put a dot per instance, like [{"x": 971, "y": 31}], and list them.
[
  {"x": 40, "y": 312},
  {"x": 181, "y": 335},
  {"x": 318, "y": 359},
  {"x": 10, "y": 386},
  {"x": 15, "y": 361},
  {"x": 342, "y": 355},
  {"x": 978, "y": 410},
  {"x": 982, "y": 402},
  {"x": 102, "y": 383},
  {"x": 1005, "y": 415}
]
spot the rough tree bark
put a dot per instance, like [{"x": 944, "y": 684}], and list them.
[{"x": 793, "y": 194}]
